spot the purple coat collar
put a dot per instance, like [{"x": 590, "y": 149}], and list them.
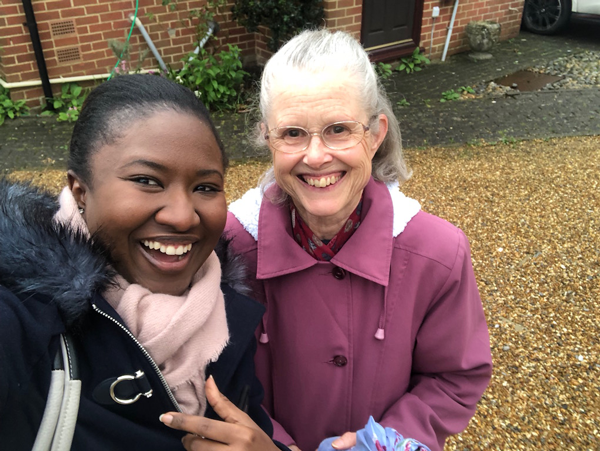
[{"x": 367, "y": 253}]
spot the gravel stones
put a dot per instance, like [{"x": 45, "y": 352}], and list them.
[
  {"x": 531, "y": 211},
  {"x": 578, "y": 71},
  {"x": 581, "y": 70}
]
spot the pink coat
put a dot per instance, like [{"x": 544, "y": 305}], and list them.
[{"x": 392, "y": 326}]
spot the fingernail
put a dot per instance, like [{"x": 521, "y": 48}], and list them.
[
  {"x": 166, "y": 418},
  {"x": 334, "y": 445},
  {"x": 210, "y": 377}
]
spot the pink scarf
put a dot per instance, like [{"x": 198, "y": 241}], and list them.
[{"x": 183, "y": 334}]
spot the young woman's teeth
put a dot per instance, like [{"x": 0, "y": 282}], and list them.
[
  {"x": 168, "y": 249},
  {"x": 322, "y": 182}
]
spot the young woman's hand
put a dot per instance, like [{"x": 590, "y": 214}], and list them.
[
  {"x": 347, "y": 440},
  {"x": 236, "y": 432}
]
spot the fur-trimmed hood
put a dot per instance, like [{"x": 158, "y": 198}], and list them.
[{"x": 39, "y": 256}]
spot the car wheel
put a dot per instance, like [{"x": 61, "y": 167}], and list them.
[{"x": 546, "y": 16}]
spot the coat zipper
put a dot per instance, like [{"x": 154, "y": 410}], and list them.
[{"x": 146, "y": 354}]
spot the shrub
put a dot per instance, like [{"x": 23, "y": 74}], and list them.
[
  {"x": 284, "y": 18},
  {"x": 216, "y": 80},
  {"x": 10, "y": 108},
  {"x": 68, "y": 105}
]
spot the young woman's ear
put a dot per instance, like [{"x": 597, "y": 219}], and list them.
[{"x": 78, "y": 188}]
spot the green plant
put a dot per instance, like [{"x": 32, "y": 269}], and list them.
[
  {"x": 216, "y": 80},
  {"x": 284, "y": 18},
  {"x": 10, "y": 108},
  {"x": 68, "y": 104},
  {"x": 413, "y": 62},
  {"x": 466, "y": 90},
  {"x": 450, "y": 95},
  {"x": 383, "y": 70},
  {"x": 402, "y": 103}
]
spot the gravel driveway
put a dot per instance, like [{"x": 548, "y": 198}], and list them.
[{"x": 531, "y": 210}]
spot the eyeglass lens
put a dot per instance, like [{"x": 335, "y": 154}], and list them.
[{"x": 339, "y": 135}]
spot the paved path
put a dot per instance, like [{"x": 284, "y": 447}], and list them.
[{"x": 38, "y": 142}]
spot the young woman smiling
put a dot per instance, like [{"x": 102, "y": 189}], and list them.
[{"x": 125, "y": 263}]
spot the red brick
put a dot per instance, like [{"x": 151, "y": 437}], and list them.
[
  {"x": 337, "y": 13},
  {"x": 91, "y": 37},
  {"x": 66, "y": 42},
  {"x": 105, "y": 64},
  {"x": 88, "y": 19},
  {"x": 72, "y": 12},
  {"x": 16, "y": 20},
  {"x": 96, "y": 9},
  {"x": 33, "y": 74},
  {"x": 85, "y": 2},
  {"x": 46, "y": 16},
  {"x": 99, "y": 45},
  {"x": 357, "y": 10},
  {"x": 114, "y": 34},
  {"x": 100, "y": 27},
  {"x": 21, "y": 68},
  {"x": 344, "y": 21},
  {"x": 15, "y": 30},
  {"x": 115, "y": 16},
  {"x": 9, "y": 10},
  {"x": 57, "y": 5},
  {"x": 26, "y": 58}
]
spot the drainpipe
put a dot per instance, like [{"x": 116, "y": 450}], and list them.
[
  {"x": 213, "y": 28},
  {"x": 37, "y": 48},
  {"x": 450, "y": 30},
  {"x": 140, "y": 26}
]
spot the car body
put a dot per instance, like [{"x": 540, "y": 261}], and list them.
[{"x": 552, "y": 16}]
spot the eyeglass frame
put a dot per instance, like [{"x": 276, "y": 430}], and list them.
[{"x": 319, "y": 134}]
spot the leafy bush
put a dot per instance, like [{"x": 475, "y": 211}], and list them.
[
  {"x": 284, "y": 18},
  {"x": 10, "y": 108},
  {"x": 68, "y": 105},
  {"x": 216, "y": 80},
  {"x": 413, "y": 62}
]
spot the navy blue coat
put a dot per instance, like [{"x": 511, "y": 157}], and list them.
[{"x": 50, "y": 280}]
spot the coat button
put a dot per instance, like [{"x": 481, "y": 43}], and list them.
[
  {"x": 339, "y": 273},
  {"x": 340, "y": 360}
]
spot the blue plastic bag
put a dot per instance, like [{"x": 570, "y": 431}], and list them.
[{"x": 375, "y": 438}]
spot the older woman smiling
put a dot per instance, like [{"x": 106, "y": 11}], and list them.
[{"x": 372, "y": 304}]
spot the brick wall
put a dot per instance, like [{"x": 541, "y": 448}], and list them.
[
  {"x": 506, "y": 12},
  {"x": 345, "y": 15},
  {"x": 75, "y": 33}
]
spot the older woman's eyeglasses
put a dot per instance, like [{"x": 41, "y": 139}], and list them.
[{"x": 337, "y": 136}]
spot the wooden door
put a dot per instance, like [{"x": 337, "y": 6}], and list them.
[{"x": 389, "y": 25}]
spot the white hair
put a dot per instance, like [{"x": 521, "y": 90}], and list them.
[{"x": 323, "y": 51}]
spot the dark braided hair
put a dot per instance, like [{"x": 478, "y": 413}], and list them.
[{"x": 116, "y": 104}]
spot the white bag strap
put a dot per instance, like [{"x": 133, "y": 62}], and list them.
[{"x": 60, "y": 415}]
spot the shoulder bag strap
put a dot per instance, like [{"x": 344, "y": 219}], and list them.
[{"x": 60, "y": 415}]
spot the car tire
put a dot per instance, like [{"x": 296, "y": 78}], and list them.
[{"x": 546, "y": 16}]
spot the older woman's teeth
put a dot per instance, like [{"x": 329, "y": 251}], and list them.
[
  {"x": 168, "y": 249},
  {"x": 322, "y": 182}
]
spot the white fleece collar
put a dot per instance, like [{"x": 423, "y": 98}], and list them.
[{"x": 247, "y": 209}]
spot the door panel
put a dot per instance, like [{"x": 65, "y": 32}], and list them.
[{"x": 387, "y": 22}]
